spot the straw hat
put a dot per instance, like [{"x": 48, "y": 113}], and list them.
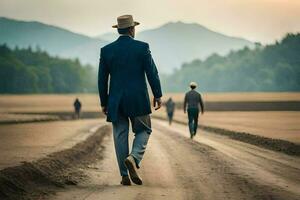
[
  {"x": 125, "y": 21},
  {"x": 194, "y": 84}
]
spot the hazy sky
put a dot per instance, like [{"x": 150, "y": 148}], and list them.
[{"x": 256, "y": 20}]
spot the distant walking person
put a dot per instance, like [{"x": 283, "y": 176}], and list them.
[
  {"x": 170, "y": 108},
  {"x": 124, "y": 66},
  {"x": 77, "y": 108},
  {"x": 192, "y": 101}
]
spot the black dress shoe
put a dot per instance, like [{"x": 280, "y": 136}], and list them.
[
  {"x": 131, "y": 166},
  {"x": 125, "y": 180}
]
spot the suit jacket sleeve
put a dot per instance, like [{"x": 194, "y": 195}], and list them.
[
  {"x": 103, "y": 74},
  {"x": 151, "y": 72},
  {"x": 201, "y": 103},
  {"x": 185, "y": 102}
]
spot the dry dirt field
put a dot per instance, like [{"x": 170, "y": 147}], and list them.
[
  {"x": 271, "y": 124},
  {"x": 55, "y": 102},
  {"x": 31, "y": 141},
  {"x": 47, "y": 103},
  {"x": 281, "y": 125},
  {"x": 16, "y": 118},
  {"x": 212, "y": 166},
  {"x": 240, "y": 97}
]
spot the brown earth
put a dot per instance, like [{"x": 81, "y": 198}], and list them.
[
  {"x": 278, "y": 125},
  {"x": 31, "y": 141},
  {"x": 9, "y": 118},
  {"x": 211, "y": 167},
  {"x": 41, "y": 177},
  {"x": 90, "y": 102},
  {"x": 270, "y": 124},
  {"x": 241, "y": 96}
]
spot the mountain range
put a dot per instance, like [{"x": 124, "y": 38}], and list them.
[
  {"x": 171, "y": 44},
  {"x": 54, "y": 40}
]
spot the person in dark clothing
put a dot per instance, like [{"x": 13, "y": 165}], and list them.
[
  {"x": 192, "y": 101},
  {"x": 123, "y": 68},
  {"x": 77, "y": 108},
  {"x": 170, "y": 108}
]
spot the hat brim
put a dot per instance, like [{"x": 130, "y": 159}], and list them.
[
  {"x": 134, "y": 24},
  {"x": 193, "y": 84}
]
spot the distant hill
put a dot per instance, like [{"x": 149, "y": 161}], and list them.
[
  {"x": 109, "y": 36},
  {"x": 175, "y": 43},
  {"x": 56, "y": 41},
  {"x": 273, "y": 67},
  {"x": 171, "y": 44}
]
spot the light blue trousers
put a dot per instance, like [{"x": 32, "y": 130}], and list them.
[{"x": 141, "y": 126}]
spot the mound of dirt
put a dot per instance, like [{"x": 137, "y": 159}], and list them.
[
  {"x": 268, "y": 143},
  {"x": 30, "y": 117},
  {"x": 34, "y": 180},
  {"x": 11, "y": 118}
]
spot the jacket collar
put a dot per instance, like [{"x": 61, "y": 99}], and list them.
[{"x": 124, "y": 37}]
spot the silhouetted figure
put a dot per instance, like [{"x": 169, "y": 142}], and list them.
[
  {"x": 192, "y": 101},
  {"x": 77, "y": 108},
  {"x": 170, "y": 108}
]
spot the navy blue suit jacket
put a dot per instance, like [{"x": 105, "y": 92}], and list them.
[{"x": 123, "y": 67}]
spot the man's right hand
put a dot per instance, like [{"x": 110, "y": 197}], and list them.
[
  {"x": 104, "y": 110},
  {"x": 157, "y": 103}
]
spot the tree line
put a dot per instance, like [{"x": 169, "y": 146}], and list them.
[
  {"x": 35, "y": 71},
  {"x": 273, "y": 67}
]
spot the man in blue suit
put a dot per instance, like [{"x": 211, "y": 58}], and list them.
[{"x": 123, "y": 68}]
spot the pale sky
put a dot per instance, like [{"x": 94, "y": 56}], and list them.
[{"x": 256, "y": 20}]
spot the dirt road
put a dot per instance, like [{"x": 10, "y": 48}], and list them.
[{"x": 210, "y": 167}]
